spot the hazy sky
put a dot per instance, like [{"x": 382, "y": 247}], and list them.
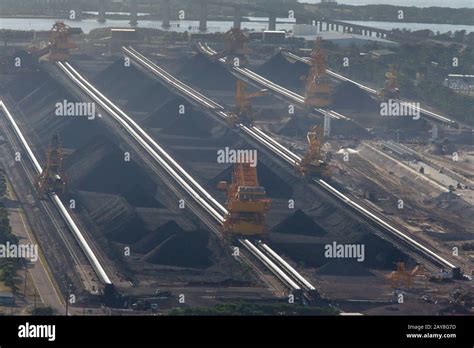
[{"x": 418, "y": 3}]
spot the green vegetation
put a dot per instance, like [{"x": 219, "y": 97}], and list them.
[
  {"x": 421, "y": 70},
  {"x": 8, "y": 266},
  {"x": 246, "y": 308},
  {"x": 389, "y": 13},
  {"x": 3, "y": 184}
]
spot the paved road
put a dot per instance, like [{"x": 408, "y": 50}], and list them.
[{"x": 39, "y": 270}]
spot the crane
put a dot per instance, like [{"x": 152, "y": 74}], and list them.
[
  {"x": 244, "y": 113},
  {"x": 51, "y": 180},
  {"x": 59, "y": 42},
  {"x": 246, "y": 203},
  {"x": 390, "y": 90},
  {"x": 312, "y": 162},
  {"x": 234, "y": 48},
  {"x": 401, "y": 277},
  {"x": 318, "y": 88}
]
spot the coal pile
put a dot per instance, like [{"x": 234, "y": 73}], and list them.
[
  {"x": 172, "y": 246},
  {"x": 274, "y": 185},
  {"x": 118, "y": 80},
  {"x": 202, "y": 72},
  {"x": 191, "y": 124},
  {"x": 283, "y": 72},
  {"x": 28, "y": 63},
  {"x": 407, "y": 123},
  {"x": 349, "y": 129},
  {"x": 108, "y": 172},
  {"x": 37, "y": 94},
  {"x": 169, "y": 119},
  {"x": 306, "y": 254},
  {"x": 129, "y": 233},
  {"x": 113, "y": 175},
  {"x": 80, "y": 131},
  {"x": 163, "y": 117},
  {"x": 344, "y": 267},
  {"x": 138, "y": 196},
  {"x": 115, "y": 217},
  {"x": 381, "y": 254},
  {"x": 349, "y": 96},
  {"x": 147, "y": 100},
  {"x": 156, "y": 237},
  {"x": 299, "y": 223},
  {"x": 24, "y": 84}
]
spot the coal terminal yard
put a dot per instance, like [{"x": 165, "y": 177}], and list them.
[{"x": 163, "y": 172}]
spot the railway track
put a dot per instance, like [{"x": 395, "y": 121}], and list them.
[
  {"x": 291, "y": 158},
  {"x": 427, "y": 114},
  {"x": 78, "y": 234},
  {"x": 279, "y": 90},
  {"x": 280, "y": 268}
]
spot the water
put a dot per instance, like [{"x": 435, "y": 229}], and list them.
[
  {"x": 417, "y": 3},
  {"x": 442, "y": 28},
  {"x": 257, "y": 24}
]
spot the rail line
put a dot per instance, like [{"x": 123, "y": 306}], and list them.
[
  {"x": 191, "y": 93},
  {"x": 429, "y": 114},
  {"x": 299, "y": 99},
  {"x": 292, "y": 158},
  {"x": 289, "y": 276},
  {"x": 96, "y": 265}
]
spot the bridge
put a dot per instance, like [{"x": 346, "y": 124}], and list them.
[{"x": 272, "y": 9}]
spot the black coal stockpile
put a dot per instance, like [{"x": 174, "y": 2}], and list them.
[
  {"x": 148, "y": 99},
  {"x": 406, "y": 123},
  {"x": 348, "y": 96},
  {"x": 19, "y": 62},
  {"x": 163, "y": 117},
  {"x": 178, "y": 117},
  {"x": 24, "y": 84},
  {"x": 349, "y": 129},
  {"x": 131, "y": 232},
  {"x": 202, "y": 72},
  {"x": 80, "y": 131},
  {"x": 118, "y": 80},
  {"x": 344, "y": 267},
  {"x": 283, "y": 72},
  {"x": 308, "y": 254},
  {"x": 274, "y": 185},
  {"x": 380, "y": 254},
  {"x": 114, "y": 175},
  {"x": 139, "y": 196},
  {"x": 141, "y": 91},
  {"x": 172, "y": 246},
  {"x": 156, "y": 237},
  {"x": 299, "y": 223}
]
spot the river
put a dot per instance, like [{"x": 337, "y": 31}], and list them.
[{"x": 257, "y": 24}]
